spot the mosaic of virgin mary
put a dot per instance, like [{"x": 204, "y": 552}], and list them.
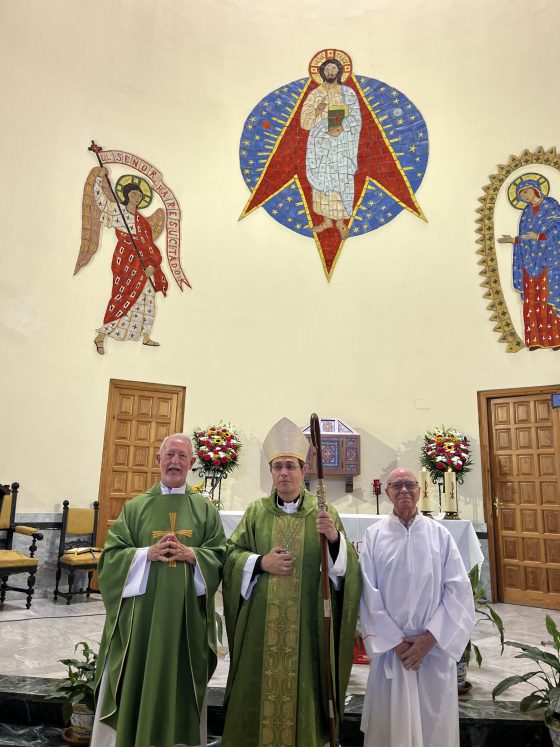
[{"x": 536, "y": 259}]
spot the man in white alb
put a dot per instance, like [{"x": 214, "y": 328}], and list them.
[{"x": 417, "y": 615}]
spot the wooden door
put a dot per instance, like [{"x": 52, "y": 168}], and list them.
[
  {"x": 139, "y": 417},
  {"x": 520, "y": 447}
]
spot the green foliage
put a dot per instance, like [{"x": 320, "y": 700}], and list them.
[
  {"x": 78, "y": 686},
  {"x": 484, "y": 611},
  {"x": 545, "y": 680}
]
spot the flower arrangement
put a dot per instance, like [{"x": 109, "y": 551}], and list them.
[
  {"x": 217, "y": 447},
  {"x": 446, "y": 448}
]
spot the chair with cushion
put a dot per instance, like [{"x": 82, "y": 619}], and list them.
[
  {"x": 77, "y": 550},
  {"x": 12, "y": 561}
]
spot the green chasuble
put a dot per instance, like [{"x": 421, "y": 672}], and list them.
[
  {"x": 159, "y": 648},
  {"x": 276, "y": 691}
]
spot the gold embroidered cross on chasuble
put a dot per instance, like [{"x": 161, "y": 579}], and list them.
[{"x": 173, "y": 531}]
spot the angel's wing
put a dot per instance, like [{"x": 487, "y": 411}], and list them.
[
  {"x": 157, "y": 222},
  {"x": 91, "y": 226}
]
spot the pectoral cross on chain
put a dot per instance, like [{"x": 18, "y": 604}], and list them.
[{"x": 173, "y": 531}]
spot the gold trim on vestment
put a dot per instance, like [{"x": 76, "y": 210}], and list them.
[{"x": 281, "y": 644}]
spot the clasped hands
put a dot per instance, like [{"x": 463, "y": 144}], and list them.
[
  {"x": 411, "y": 651},
  {"x": 280, "y": 561},
  {"x": 169, "y": 548}
]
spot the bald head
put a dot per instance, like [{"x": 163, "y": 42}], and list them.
[{"x": 403, "y": 492}]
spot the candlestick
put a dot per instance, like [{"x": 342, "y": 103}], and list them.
[
  {"x": 450, "y": 501},
  {"x": 424, "y": 503},
  {"x": 377, "y": 492}
]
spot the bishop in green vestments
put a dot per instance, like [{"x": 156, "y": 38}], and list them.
[
  {"x": 158, "y": 574},
  {"x": 276, "y": 690}
]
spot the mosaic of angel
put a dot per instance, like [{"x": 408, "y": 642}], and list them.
[{"x": 136, "y": 263}]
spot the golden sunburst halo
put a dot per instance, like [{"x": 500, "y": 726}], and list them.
[
  {"x": 142, "y": 184},
  {"x": 512, "y": 189}
]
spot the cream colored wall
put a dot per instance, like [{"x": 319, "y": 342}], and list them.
[{"x": 399, "y": 340}]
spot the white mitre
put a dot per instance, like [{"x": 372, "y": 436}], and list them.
[{"x": 285, "y": 439}]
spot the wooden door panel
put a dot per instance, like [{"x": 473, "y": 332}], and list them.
[
  {"x": 508, "y": 520},
  {"x": 525, "y": 465},
  {"x": 511, "y": 550},
  {"x": 529, "y": 521},
  {"x": 514, "y": 577},
  {"x": 532, "y": 549},
  {"x": 521, "y": 433},
  {"x": 554, "y": 582},
  {"x": 547, "y": 465},
  {"x": 545, "y": 438},
  {"x": 528, "y": 492},
  {"x": 139, "y": 417},
  {"x": 504, "y": 464},
  {"x": 503, "y": 439},
  {"x": 550, "y": 493},
  {"x": 522, "y": 412},
  {"x": 122, "y": 430},
  {"x": 502, "y": 414},
  {"x": 543, "y": 411},
  {"x": 551, "y": 522},
  {"x": 535, "y": 580},
  {"x": 524, "y": 438},
  {"x": 552, "y": 548}
]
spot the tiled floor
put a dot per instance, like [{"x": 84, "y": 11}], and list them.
[{"x": 32, "y": 642}]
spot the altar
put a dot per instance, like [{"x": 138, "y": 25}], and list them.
[{"x": 355, "y": 525}]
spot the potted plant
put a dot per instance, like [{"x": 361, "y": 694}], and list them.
[
  {"x": 77, "y": 694},
  {"x": 545, "y": 680},
  {"x": 484, "y": 611}
]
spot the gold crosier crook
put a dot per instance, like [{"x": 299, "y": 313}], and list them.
[{"x": 315, "y": 430}]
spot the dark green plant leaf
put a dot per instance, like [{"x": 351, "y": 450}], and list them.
[
  {"x": 554, "y": 632},
  {"x": 477, "y": 654},
  {"x": 554, "y": 698},
  {"x": 515, "y": 679},
  {"x": 533, "y": 701},
  {"x": 536, "y": 654}
]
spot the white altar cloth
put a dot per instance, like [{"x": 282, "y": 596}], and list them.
[{"x": 355, "y": 525}]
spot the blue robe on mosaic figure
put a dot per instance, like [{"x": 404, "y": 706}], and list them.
[{"x": 531, "y": 258}]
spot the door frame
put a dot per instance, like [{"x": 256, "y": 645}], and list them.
[
  {"x": 119, "y": 384},
  {"x": 485, "y": 398}
]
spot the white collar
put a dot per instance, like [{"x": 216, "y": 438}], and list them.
[
  {"x": 406, "y": 524},
  {"x": 288, "y": 508},
  {"x": 168, "y": 491}
]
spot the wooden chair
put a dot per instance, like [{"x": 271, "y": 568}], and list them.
[
  {"x": 11, "y": 561},
  {"x": 78, "y": 553}
]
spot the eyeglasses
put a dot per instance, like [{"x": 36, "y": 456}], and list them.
[
  {"x": 288, "y": 466},
  {"x": 408, "y": 484}
]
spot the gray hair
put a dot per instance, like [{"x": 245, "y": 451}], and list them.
[{"x": 174, "y": 435}]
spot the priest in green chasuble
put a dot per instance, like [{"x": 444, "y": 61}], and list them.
[
  {"x": 158, "y": 573},
  {"x": 276, "y": 690}
]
